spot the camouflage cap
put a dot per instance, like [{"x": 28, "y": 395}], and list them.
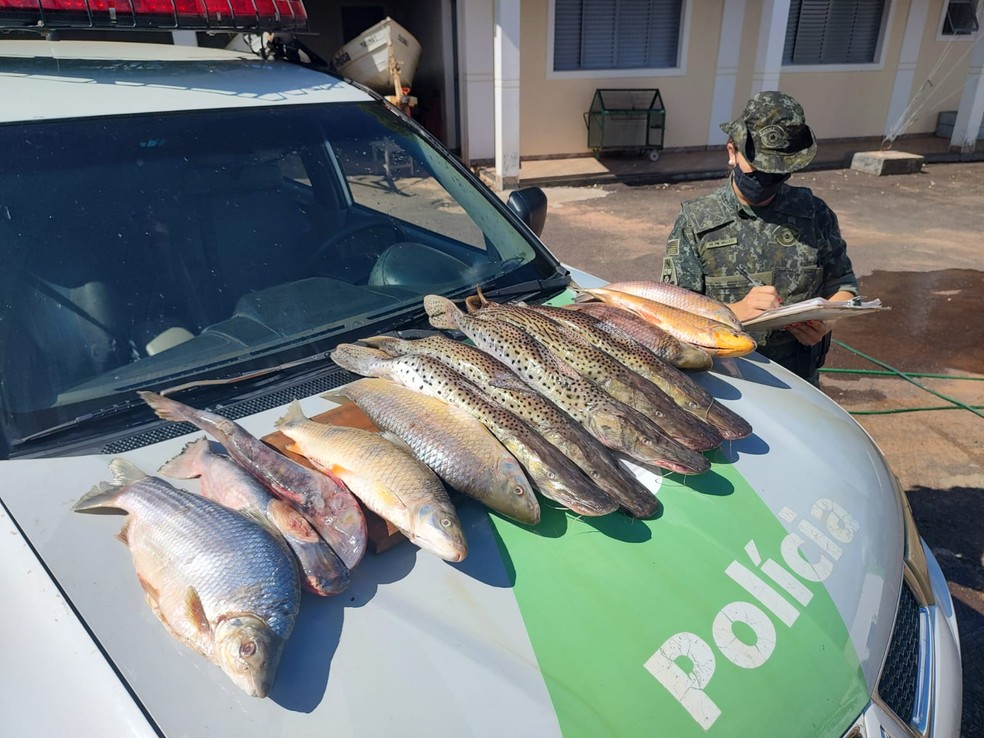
[{"x": 772, "y": 133}]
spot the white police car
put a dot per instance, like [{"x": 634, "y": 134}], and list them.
[{"x": 183, "y": 217}]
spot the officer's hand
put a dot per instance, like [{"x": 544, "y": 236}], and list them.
[
  {"x": 756, "y": 302},
  {"x": 809, "y": 332}
]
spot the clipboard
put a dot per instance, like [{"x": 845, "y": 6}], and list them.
[{"x": 816, "y": 309}]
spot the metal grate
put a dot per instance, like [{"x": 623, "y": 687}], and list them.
[
  {"x": 897, "y": 687},
  {"x": 315, "y": 386}
]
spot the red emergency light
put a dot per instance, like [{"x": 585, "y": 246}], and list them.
[{"x": 211, "y": 15}]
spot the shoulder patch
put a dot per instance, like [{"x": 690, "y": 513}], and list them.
[
  {"x": 673, "y": 247},
  {"x": 669, "y": 271}
]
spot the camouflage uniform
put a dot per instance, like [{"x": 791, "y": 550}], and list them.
[{"x": 793, "y": 243}]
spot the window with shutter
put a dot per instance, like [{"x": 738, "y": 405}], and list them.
[
  {"x": 616, "y": 34},
  {"x": 833, "y": 31}
]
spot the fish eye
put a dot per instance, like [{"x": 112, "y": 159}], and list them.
[
  {"x": 446, "y": 522},
  {"x": 551, "y": 475},
  {"x": 519, "y": 491},
  {"x": 247, "y": 649}
]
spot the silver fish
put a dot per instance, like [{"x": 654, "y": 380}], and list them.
[
  {"x": 225, "y": 482},
  {"x": 502, "y": 385},
  {"x": 220, "y": 583},
  {"x": 455, "y": 445},
  {"x": 555, "y": 476},
  {"x": 615, "y": 424},
  {"x": 321, "y": 498},
  {"x": 386, "y": 477}
]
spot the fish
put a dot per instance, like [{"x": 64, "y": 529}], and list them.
[
  {"x": 220, "y": 583},
  {"x": 506, "y": 389},
  {"x": 321, "y": 498},
  {"x": 455, "y": 445},
  {"x": 713, "y": 337},
  {"x": 622, "y": 383},
  {"x": 679, "y": 297},
  {"x": 684, "y": 391},
  {"x": 224, "y": 481},
  {"x": 555, "y": 476},
  {"x": 615, "y": 424},
  {"x": 387, "y": 478},
  {"x": 621, "y": 322}
]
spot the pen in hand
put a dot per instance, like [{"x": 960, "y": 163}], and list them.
[{"x": 754, "y": 282}]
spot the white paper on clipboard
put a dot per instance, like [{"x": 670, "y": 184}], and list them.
[{"x": 816, "y": 309}]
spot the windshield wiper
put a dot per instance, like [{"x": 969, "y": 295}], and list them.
[
  {"x": 561, "y": 278},
  {"x": 193, "y": 384},
  {"x": 105, "y": 412}
]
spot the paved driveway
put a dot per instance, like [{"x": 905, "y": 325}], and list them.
[{"x": 917, "y": 242}]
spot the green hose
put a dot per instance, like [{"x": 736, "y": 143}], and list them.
[{"x": 892, "y": 371}]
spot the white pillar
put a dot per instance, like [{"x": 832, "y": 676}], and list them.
[
  {"x": 771, "y": 41},
  {"x": 896, "y": 122},
  {"x": 506, "y": 85},
  {"x": 971, "y": 110},
  {"x": 475, "y": 31},
  {"x": 726, "y": 74}
]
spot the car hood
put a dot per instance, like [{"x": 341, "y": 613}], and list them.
[{"x": 762, "y": 594}]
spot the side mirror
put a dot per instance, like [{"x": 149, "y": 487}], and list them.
[{"x": 530, "y": 204}]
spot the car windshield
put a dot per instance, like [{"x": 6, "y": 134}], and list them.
[{"x": 148, "y": 251}]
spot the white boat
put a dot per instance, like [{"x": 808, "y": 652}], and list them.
[{"x": 381, "y": 57}]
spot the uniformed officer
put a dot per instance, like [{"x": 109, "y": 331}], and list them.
[{"x": 758, "y": 242}]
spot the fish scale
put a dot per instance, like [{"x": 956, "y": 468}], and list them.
[
  {"x": 386, "y": 477},
  {"x": 220, "y": 583},
  {"x": 607, "y": 373},
  {"x": 504, "y": 387},
  {"x": 616, "y": 425},
  {"x": 461, "y": 450},
  {"x": 554, "y": 474}
]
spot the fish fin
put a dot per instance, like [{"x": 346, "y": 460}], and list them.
[
  {"x": 125, "y": 472},
  {"x": 294, "y": 415},
  {"x": 195, "y": 611},
  {"x": 396, "y": 441},
  {"x": 153, "y": 595},
  {"x": 337, "y": 396},
  {"x": 442, "y": 312},
  {"x": 509, "y": 381},
  {"x": 124, "y": 535},
  {"x": 390, "y": 345},
  {"x": 584, "y": 296},
  {"x": 100, "y": 500},
  {"x": 165, "y": 407},
  {"x": 187, "y": 464},
  {"x": 474, "y": 303}
]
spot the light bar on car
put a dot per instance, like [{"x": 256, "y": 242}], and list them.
[{"x": 165, "y": 15}]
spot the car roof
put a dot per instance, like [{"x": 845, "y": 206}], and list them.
[{"x": 76, "y": 79}]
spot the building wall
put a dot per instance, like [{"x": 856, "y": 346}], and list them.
[
  {"x": 552, "y": 109},
  {"x": 840, "y": 102}
]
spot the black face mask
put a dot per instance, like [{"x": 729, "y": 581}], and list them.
[{"x": 756, "y": 186}]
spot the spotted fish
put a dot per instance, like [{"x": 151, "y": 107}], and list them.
[
  {"x": 556, "y": 476},
  {"x": 505, "y": 388},
  {"x": 616, "y": 425}
]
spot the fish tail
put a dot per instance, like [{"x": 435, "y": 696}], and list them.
[
  {"x": 164, "y": 407},
  {"x": 359, "y": 359},
  {"x": 125, "y": 472},
  {"x": 188, "y": 463},
  {"x": 390, "y": 345},
  {"x": 442, "y": 312},
  {"x": 294, "y": 415},
  {"x": 100, "y": 500}
]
